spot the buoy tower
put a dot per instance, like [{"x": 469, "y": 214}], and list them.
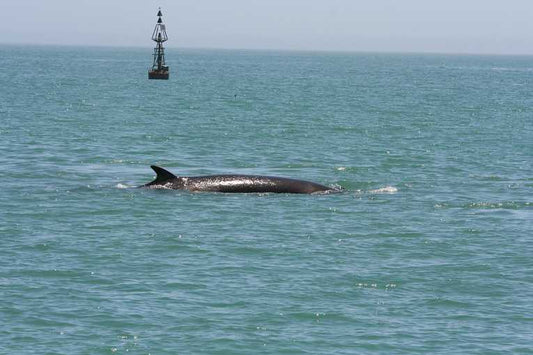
[{"x": 159, "y": 69}]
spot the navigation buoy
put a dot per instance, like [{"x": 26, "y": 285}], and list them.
[{"x": 159, "y": 69}]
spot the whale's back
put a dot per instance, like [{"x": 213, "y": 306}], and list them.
[
  {"x": 252, "y": 184},
  {"x": 234, "y": 183}
]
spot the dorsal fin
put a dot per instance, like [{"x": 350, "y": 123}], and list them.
[{"x": 162, "y": 175}]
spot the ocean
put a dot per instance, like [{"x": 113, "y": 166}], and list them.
[{"x": 428, "y": 249}]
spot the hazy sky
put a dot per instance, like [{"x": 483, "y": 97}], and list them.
[{"x": 456, "y": 26}]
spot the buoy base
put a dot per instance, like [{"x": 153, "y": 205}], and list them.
[{"x": 158, "y": 74}]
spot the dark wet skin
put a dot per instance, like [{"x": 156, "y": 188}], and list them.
[{"x": 235, "y": 183}]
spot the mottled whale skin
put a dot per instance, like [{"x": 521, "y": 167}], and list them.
[{"x": 234, "y": 183}]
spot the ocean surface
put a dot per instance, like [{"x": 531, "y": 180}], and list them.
[{"x": 429, "y": 249}]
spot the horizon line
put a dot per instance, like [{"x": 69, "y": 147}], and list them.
[{"x": 297, "y": 50}]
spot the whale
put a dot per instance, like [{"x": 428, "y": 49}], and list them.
[{"x": 234, "y": 183}]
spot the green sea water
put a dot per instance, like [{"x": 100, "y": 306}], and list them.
[{"x": 428, "y": 250}]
